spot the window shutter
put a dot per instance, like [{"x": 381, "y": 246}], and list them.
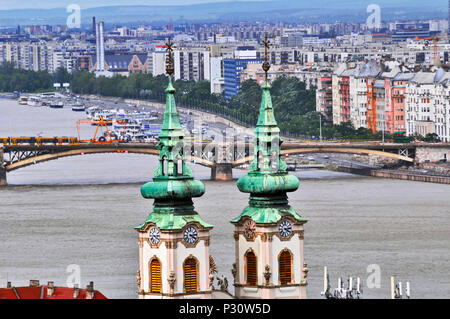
[
  {"x": 285, "y": 267},
  {"x": 190, "y": 275},
  {"x": 250, "y": 260},
  {"x": 155, "y": 276}
]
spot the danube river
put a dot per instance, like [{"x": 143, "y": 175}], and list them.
[{"x": 82, "y": 210}]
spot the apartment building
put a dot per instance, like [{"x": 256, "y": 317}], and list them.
[
  {"x": 192, "y": 64},
  {"x": 324, "y": 97},
  {"x": 37, "y": 56},
  {"x": 427, "y": 104}
]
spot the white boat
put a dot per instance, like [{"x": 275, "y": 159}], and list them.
[
  {"x": 78, "y": 108},
  {"x": 56, "y": 105},
  {"x": 34, "y": 101},
  {"x": 23, "y": 100}
]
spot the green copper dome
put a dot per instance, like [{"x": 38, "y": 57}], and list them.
[{"x": 268, "y": 174}]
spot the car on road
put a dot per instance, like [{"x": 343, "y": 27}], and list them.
[{"x": 311, "y": 158}]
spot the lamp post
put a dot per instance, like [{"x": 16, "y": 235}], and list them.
[{"x": 320, "y": 127}]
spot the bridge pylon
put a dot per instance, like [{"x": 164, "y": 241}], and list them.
[{"x": 222, "y": 172}]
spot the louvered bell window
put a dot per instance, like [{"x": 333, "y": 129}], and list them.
[
  {"x": 190, "y": 275},
  {"x": 155, "y": 276},
  {"x": 251, "y": 274},
  {"x": 285, "y": 267}
]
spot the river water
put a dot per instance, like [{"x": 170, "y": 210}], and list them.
[{"x": 81, "y": 211}]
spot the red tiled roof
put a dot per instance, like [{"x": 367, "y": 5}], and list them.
[
  {"x": 40, "y": 292},
  {"x": 7, "y": 293}
]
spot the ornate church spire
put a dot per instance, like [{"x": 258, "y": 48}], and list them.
[
  {"x": 173, "y": 186},
  {"x": 174, "y": 260},
  {"x": 268, "y": 180},
  {"x": 268, "y": 232}
]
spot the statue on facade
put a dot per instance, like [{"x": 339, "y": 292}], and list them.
[
  {"x": 267, "y": 274},
  {"x": 171, "y": 281}
]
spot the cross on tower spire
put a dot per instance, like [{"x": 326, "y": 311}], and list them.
[
  {"x": 169, "y": 60},
  {"x": 266, "y": 64}
]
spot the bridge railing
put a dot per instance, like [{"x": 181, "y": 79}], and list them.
[{"x": 38, "y": 140}]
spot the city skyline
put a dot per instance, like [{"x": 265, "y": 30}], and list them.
[{"x": 217, "y": 11}]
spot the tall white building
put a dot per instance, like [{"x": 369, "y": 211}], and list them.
[
  {"x": 216, "y": 77},
  {"x": 192, "y": 64},
  {"x": 427, "y": 104},
  {"x": 157, "y": 61}
]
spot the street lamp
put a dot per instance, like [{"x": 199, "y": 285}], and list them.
[{"x": 320, "y": 126}]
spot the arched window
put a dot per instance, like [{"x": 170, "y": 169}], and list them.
[
  {"x": 285, "y": 267},
  {"x": 190, "y": 268},
  {"x": 274, "y": 161},
  {"x": 164, "y": 165},
  {"x": 155, "y": 276},
  {"x": 259, "y": 159},
  {"x": 179, "y": 165},
  {"x": 251, "y": 277}
]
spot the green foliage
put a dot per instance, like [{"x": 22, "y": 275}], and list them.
[
  {"x": 432, "y": 138},
  {"x": 61, "y": 75},
  {"x": 12, "y": 79}
]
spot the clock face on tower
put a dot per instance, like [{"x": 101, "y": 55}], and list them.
[
  {"x": 190, "y": 235},
  {"x": 285, "y": 229},
  {"x": 154, "y": 235},
  {"x": 249, "y": 228}
]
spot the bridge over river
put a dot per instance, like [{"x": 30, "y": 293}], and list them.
[{"x": 220, "y": 157}]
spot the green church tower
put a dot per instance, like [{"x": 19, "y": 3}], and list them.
[
  {"x": 269, "y": 232},
  {"x": 174, "y": 240}
]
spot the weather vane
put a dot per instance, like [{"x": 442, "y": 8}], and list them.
[
  {"x": 169, "y": 60},
  {"x": 267, "y": 44}
]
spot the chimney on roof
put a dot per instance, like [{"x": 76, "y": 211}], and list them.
[
  {"x": 76, "y": 291},
  {"x": 50, "y": 288},
  {"x": 8, "y": 284},
  {"x": 90, "y": 290},
  {"x": 34, "y": 283}
]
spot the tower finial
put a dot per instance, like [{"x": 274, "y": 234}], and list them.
[
  {"x": 266, "y": 64},
  {"x": 169, "y": 60}
]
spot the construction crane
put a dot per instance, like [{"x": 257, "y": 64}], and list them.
[
  {"x": 435, "y": 39},
  {"x": 107, "y": 138}
]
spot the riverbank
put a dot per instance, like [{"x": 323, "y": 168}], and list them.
[{"x": 394, "y": 174}]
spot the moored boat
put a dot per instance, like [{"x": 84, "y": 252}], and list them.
[
  {"x": 23, "y": 100},
  {"x": 78, "y": 108},
  {"x": 56, "y": 105}
]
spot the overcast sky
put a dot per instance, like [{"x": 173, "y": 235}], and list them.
[{"x": 22, "y": 4}]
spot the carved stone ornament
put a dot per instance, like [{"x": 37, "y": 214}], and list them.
[
  {"x": 223, "y": 283},
  {"x": 138, "y": 280},
  {"x": 234, "y": 272},
  {"x": 305, "y": 269},
  {"x": 211, "y": 281},
  {"x": 267, "y": 274},
  {"x": 171, "y": 281}
]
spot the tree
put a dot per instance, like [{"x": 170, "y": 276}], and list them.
[
  {"x": 61, "y": 75},
  {"x": 431, "y": 138}
]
